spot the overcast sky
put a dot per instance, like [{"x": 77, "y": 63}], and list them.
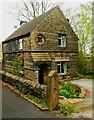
[{"x": 7, "y": 22}]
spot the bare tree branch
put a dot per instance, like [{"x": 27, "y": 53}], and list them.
[
  {"x": 21, "y": 13},
  {"x": 29, "y": 10}
]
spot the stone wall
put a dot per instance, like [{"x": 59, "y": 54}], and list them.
[
  {"x": 53, "y": 26},
  {"x": 30, "y": 86},
  {"x": 54, "y": 23}
]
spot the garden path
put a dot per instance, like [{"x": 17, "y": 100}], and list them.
[{"x": 88, "y": 84}]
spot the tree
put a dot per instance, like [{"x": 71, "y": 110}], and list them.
[
  {"x": 92, "y": 56},
  {"x": 28, "y": 10},
  {"x": 82, "y": 24},
  {"x": 82, "y": 63}
]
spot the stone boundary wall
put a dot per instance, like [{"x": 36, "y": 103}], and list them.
[{"x": 35, "y": 89}]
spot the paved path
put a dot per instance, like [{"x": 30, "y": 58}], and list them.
[
  {"x": 88, "y": 84},
  {"x": 14, "y": 106}
]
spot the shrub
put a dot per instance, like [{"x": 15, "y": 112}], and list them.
[
  {"x": 64, "y": 93},
  {"x": 67, "y": 109},
  {"x": 70, "y": 90},
  {"x": 79, "y": 75},
  {"x": 83, "y": 65}
]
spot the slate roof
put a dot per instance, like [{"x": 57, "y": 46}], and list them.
[{"x": 29, "y": 26}]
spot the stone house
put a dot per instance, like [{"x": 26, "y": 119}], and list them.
[{"x": 45, "y": 43}]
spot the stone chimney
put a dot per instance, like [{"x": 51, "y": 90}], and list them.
[{"x": 22, "y": 22}]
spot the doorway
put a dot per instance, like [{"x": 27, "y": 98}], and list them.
[{"x": 43, "y": 73}]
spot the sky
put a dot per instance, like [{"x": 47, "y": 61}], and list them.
[{"x": 7, "y": 21}]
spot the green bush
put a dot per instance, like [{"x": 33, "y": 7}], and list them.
[
  {"x": 83, "y": 64},
  {"x": 64, "y": 93},
  {"x": 67, "y": 109},
  {"x": 70, "y": 90},
  {"x": 79, "y": 75}
]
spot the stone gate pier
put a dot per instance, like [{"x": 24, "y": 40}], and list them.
[{"x": 52, "y": 91}]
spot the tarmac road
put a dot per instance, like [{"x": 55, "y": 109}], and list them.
[{"x": 14, "y": 106}]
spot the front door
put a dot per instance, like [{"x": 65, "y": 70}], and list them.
[
  {"x": 41, "y": 75},
  {"x": 43, "y": 71}
]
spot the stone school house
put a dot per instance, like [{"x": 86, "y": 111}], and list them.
[{"x": 45, "y": 43}]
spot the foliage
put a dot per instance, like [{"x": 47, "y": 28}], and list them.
[
  {"x": 67, "y": 109},
  {"x": 82, "y": 63},
  {"x": 64, "y": 93},
  {"x": 40, "y": 101},
  {"x": 21, "y": 88},
  {"x": 89, "y": 77},
  {"x": 82, "y": 25},
  {"x": 69, "y": 90},
  {"x": 92, "y": 55},
  {"x": 79, "y": 75},
  {"x": 17, "y": 66},
  {"x": 28, "y": 10},
  {"x": 81, "y": 22}
]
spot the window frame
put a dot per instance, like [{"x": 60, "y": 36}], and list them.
[
  {"x": 20, "y": 47},
  {"x": 64, "y": 67},
  {"x": 42, "y": 39},
  {"x": 62, "y": 38}
]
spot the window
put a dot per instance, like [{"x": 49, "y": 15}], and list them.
[
  {"x": 62, "y": 67},
  {"x": 20, "y": 44},
  {"x": 40, "y": 40},
  {"x": 62, "y": 40}
]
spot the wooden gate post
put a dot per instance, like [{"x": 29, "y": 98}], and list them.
[{"x": 52, "y": 91}]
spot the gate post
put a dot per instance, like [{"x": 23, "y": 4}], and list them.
[{"x": 52, "y": 91}]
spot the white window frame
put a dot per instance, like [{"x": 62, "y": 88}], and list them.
[
  {"x": 20, "y": 44},
  {"x": 63, "y": 40},
  {"x": 64, "y": 66}
]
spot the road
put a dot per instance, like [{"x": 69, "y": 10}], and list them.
[{"x": 14, "y": 106}]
